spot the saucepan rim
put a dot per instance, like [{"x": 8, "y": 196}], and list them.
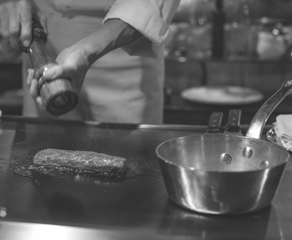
[{"x": 220, "y": 171}]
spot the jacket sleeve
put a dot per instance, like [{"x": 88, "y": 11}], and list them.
[{"x": 151, "y": 18}]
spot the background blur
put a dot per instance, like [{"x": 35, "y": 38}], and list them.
[{"x": 256, "y": 54}]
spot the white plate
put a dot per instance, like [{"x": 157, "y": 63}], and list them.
[
  {"x": 272, "y": 137},
  {"x": 226, "y": 95}
]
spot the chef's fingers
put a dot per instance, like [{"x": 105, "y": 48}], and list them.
[
  {"x": 4, "y": 17},
  {"x": 25, "y": 15},
  {"x": 54, "y": 72},
  {"x": 40, "y": 103},
  {"x": 14, "y": 26},
  {"x": 33, "y": 89},
  {"x": 30, "y": 76}
]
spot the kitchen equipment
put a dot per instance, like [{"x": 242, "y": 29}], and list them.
[
  {"x": 58, "y": 95},
  {"x": 225, "y": 173},
  {"x": 270, "y": 46},
  {"x": 222, "y": 95},
  {"x": 218, "y": 22},
  {"x": 273, "y": 40},
  {"x": 272, "y": 137}
]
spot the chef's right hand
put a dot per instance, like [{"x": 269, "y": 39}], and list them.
[{"x": 16, "y": 20}]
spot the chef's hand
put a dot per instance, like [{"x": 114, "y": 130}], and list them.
[
  {"x": 16, "y": 20},
  {"x": 72, "y": 64}
]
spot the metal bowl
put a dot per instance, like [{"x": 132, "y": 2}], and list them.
[
  {"x": 213, "y": 174},
  {"x": 225, "y": 174}
]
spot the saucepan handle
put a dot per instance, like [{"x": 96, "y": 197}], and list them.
[
  {"x": 259, "y": 120},
  {"x": 233, "y": 123},
  {"x": 214, "y": 125}
]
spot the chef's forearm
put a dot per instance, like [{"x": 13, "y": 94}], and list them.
[{"x": 113, "y": 34}]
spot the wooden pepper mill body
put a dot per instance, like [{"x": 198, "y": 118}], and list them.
[{"x": 58, "y": 95}]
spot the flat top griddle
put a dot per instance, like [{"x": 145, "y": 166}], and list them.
[{"x": 133, "y": 207}]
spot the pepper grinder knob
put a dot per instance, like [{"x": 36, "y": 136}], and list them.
[{"x": 59, "y": 95}]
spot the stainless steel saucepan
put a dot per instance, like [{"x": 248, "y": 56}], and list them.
[{"x": 225, "y": 173}]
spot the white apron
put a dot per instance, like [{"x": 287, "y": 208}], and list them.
[{"x": 118, "y": 87}]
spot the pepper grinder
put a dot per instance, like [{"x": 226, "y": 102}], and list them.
[{"x": 58, "y": 95}]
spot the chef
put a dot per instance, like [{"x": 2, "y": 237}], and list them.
[{"x": 112, "y": 50}]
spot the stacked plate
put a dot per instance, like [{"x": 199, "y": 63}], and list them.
[
  {"x": 281, "y": 132},
  {"x": 222, "y": 95}
]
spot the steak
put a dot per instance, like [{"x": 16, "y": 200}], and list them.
[{"x": 87, "y": 160}]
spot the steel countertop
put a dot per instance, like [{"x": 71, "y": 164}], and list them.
[{"x": 67, "y": 206}]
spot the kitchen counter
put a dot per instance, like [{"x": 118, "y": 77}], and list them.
[{"x": 51, "y": 205}]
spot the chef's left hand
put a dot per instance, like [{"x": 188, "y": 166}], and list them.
[{"x": 72, "y": 64}]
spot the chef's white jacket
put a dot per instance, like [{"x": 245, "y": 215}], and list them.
[{"x": 125, "y": 85}]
